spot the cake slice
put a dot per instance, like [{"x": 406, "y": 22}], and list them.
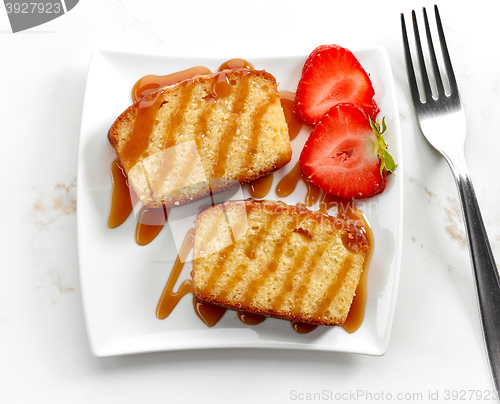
[
  {"x": 202, "y": 135},
  {"x": 272, "y": 259}
]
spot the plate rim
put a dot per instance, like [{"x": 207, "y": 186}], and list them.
[{"x": 104, "y": 350}]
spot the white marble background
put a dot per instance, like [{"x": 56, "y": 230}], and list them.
[{"x": 436, "y": 347}]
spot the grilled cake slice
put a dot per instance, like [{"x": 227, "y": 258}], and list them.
[
  {"x": 277, "y": 260},
  {"x": 227, "y": 126}
]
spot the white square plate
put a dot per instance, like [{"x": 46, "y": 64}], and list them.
[{"x": 121, "y": 281}]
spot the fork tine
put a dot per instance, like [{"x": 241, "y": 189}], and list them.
[
  {"x": 409, "y": 64},
  {"x": 446, "y": 55},
  {"x": 421, "y": 61},
  {"x": 432, "y": 53}
]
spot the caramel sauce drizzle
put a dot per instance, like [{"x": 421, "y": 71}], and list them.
[
  {"x": 347, "y": 211},
  {"x": 228, "y": 136},
  {"x": 357, "y": 310},
  {"x": 167, "y": 159},
  {"x": 210, "y": 314},
  {"x": 145, "y": 112},
  {"x": 288, "y": 104},
  {"x": 150, "y": 222},
  {"x": 220, "y": 90},
  {"x": 121, "y": 202},
  {"x": 146, "y": 109},
  {"x": 177, "y": 117},
  {"x": 123, "y": 198},
  {"x": 169, "y": 299},
  {"x": 289, "y": 182},
  {"x": 151, "y": 83},
  {"x": 236, "y": 64}
]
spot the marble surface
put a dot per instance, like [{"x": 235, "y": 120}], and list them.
[{"x": 436, "y": 353}]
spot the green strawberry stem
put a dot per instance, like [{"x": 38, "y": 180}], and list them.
[{"x": 386, "y": 160}]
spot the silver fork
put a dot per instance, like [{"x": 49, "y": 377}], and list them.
[{"x": 442, "y": 121}]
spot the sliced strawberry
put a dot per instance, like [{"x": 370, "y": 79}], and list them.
[
  {"x": 346, "y": 154},
  {"x": 332, "y": 75}
]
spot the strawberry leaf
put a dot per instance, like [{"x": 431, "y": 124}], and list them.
[{"x": 386, "y": 160}]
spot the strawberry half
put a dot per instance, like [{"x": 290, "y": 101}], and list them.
[
  {"x": 346, "y": 154},
  {"x": 332, "y": 75}
]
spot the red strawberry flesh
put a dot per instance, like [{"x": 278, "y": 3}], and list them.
[
  {"x": 332, "y": 75},
  {"x": 341, "y": 154}
]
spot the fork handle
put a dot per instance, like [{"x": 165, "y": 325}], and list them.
[{"x": 485, "y": 271}]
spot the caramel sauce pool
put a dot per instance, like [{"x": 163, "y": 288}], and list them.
[
  {"x": 261, "y": 187},
  {"x": 207, "y": 313},
  {"x": 249, "y": 318}
]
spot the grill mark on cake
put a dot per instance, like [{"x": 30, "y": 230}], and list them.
[
  {"x": 221, "y": 89},
  {"x": 334, "y": 289},
  {"x": 261, "y": 235},
  {"x": 254, "y": 134},
  {"x": 231, "y": 283},
  {"x": 167, "y": 164},
  {"x": 186, "y": 168},
  {"x": 218, "y": 269},
  {"x": 215, "y": 228},
  {"x": 227, "y": 137},
  {"x": 272, "y": 267},
  {"x": 177, "y": 118},
  {"x": 316, "y": 255},
  {"x": 145, "y": 112},
  {"x": 249, "y": 252},
  {"x": 288, "y": 284}
]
